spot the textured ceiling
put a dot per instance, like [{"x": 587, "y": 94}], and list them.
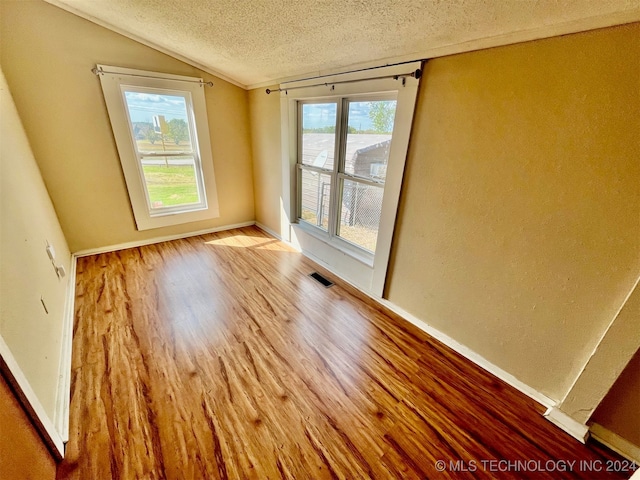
[{"x": 255, "y": 41}]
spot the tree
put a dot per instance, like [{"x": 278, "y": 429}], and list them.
[
  {"x": 151, "y": 135},
  {"x": 382, "y": 115},
  {"x": 144, "y": 131},
  {"x": 178, "y": 130}
]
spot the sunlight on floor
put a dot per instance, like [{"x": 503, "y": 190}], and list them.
[{"x": 247, "y": 241}]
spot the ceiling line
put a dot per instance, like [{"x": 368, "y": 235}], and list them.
[
  {"x": 147, "y": 43},
  {"x": 521, "y": 36}
]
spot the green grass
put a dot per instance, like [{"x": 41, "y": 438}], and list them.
[{"x": 172, "y": 185}]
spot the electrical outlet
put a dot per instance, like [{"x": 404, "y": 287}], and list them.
[{"x": 61, "y": 271}]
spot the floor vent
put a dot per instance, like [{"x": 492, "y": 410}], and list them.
[{"x": 316, "y": 276}]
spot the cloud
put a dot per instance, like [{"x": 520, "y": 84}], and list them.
[{"x": 149, "y": 104}]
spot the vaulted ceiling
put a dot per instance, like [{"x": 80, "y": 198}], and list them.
[{"x": 256, "y": 42}]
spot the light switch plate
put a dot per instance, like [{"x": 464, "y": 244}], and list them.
[{"x": 51, "y": 252}]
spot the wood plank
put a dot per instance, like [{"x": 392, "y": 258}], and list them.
[{"x": 217, "y": 356}]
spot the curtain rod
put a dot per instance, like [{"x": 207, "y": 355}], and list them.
[
  {"x": 355, "y": 71},
  {"x": 100, "y": 71},
  {"x": 416, "y": 74}
]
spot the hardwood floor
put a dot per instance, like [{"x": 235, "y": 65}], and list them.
[{"x": 218, "y": 357}]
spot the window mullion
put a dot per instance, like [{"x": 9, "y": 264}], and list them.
[
  {"x": 338, "y": 166},
  {"x": 342, "y": 141}
]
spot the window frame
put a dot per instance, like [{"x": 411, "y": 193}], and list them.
[
  {"x": 115, "y": 81},
  {"x": 319, "y": 170},
  {"x": 352, "y": 263},
  {"x": 338, "y": 174}
]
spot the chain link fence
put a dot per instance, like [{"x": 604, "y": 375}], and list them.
[
  {"x": 360, "y": 213},
  {"x": 360, "y": 208}
]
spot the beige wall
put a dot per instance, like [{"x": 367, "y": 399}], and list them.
[
  {"x": 619, "y": 412},
  {"x": 267, "y": 170},
  {"x": 27, "y": 222},
  {"x": 615, "y": 349},
  {"x": 518, "y": 233},
  {"x": 47, "y": 55},
  {"x": 23, "y": 455}
]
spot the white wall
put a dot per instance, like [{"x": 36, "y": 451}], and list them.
[{"x": 27, "y": 221}]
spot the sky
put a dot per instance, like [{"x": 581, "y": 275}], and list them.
[
  {"x": 143, "y": 106},
  {"x": 316, "y": 115}
]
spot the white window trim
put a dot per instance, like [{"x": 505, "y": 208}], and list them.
[
  {"x": 342, "y": 244},
  {"x": 111, "y": 86},
  {"x": 343, "y": 259}
]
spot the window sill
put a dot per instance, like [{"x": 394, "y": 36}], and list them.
[
  {"x": 342, "y": 246},
  {"x": 144, "y": 221},
  {"x": 168, "y": 212}
]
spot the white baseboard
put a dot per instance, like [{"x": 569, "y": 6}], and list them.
[
  {"x": 553, "y": 414},
  {"x": 574, "y": 428},
  {"x": 55, "y": 432},
  {"x": 166, "y": 238},
  {"x": 63, "y": 395},
  {"x": 16, "y": 378},
  {"x": 469, "y": 354},
  {"x": 269, "y": 231},
  {"x": 461, "y": 349},
  {"x": 615, "y": 442}
]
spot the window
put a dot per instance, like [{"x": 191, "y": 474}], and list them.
[
  {"x": 346, "y": 138},
  {"x": 161, "y": 130},
  {"x": 343, "y": 156}
]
